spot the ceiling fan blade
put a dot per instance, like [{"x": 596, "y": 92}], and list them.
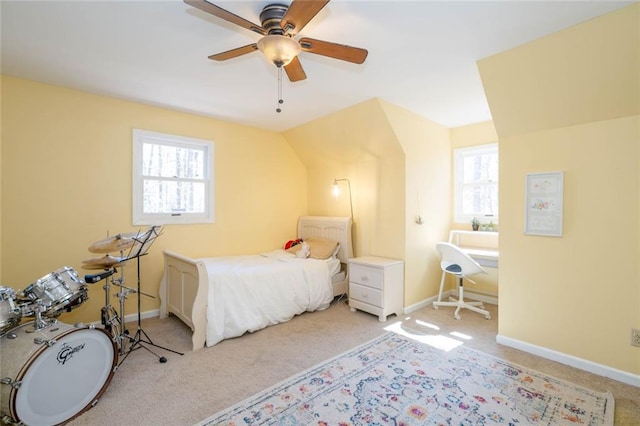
[
  {"x": 234, "y": 53},
  {"x": 334, "y": 50},
  {"x": 294, "y": 70},
  {"x": 300, "y": 13},
  {"x": 221, "y": 13}
]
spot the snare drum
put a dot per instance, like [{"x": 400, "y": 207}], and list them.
[
  {"x": 61, "y": 289},
  {"x": 10, "y": 314},
  {"x": 52, "y": 375}
]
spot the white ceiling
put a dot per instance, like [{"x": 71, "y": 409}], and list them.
[{"x": 422, "y": 54}]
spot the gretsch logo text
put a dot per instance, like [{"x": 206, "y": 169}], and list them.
[{"x": 67, "y": 352}]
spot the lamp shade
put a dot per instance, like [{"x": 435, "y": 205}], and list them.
[
  {"x": 335, "y": 189},
  {"x": 279, "y": 49}
]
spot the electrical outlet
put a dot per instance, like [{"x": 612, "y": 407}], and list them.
[{"x": 635, "y": 337}]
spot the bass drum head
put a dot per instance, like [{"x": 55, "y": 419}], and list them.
[{"x": 66, "y": 378}]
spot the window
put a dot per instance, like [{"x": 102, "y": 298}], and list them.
[
  {"x": 476, "y": 183},
  {"x": 172, "y": 179}
]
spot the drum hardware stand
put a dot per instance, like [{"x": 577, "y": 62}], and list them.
[
  {"x": 123, "y": 335},
  {"x": 39, "y": 322},
  {"x": 141, "y": 338},
  {"x": 108, "y": 315},
  {"x": 122, "y": 296}
]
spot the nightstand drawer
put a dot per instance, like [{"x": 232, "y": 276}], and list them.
[
  {"x": 366, "y": 275},
  {"x": 365, "y": 294}
]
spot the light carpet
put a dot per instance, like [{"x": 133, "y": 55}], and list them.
[{"x": 396, "y": 380}]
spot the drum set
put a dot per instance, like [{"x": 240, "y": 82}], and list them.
[{"x": 51, "y": 372}]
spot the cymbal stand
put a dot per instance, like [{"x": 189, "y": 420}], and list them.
[
  {"x": 122, "y": 296},
  {"x": 109, "y": 317},
  {"x": 112, "y": 322},
  {"x": 141, "y": 338}
]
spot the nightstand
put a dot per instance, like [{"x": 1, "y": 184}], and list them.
[{"x": 376, "y": 285}]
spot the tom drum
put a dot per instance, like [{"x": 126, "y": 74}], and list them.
[
  {"x": 51, "y": 375},
  {"x": 59, "y": 290},
  {"x": 10, "y": 314}
]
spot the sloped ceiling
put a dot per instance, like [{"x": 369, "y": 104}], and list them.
[
  {"x": 422, "y": 54},
  {"x": 586, "y": 73}
]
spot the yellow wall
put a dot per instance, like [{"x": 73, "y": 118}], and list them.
[
  {"x": 427, "y": 149},
  {"x": 474, "y": 134},
  {"x": 571, "y": 102},
  {"x": 393, "y": 158},
  {"x": 358, "y": 144},
  {"x": 66, "y": 182},
  {"x": 587, "y": 281}
]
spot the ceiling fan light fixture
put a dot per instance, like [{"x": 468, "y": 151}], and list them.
[{"x": 279, "y": 49}]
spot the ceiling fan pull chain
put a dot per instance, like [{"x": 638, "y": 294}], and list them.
[
  {"x": 280, "y": 101},
  {"x": 279, "y": 89}
]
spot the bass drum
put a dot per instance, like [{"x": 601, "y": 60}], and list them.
[{"x": 51, "y": 375}]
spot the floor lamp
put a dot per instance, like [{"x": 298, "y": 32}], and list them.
[{"x": 336, "y": 193}]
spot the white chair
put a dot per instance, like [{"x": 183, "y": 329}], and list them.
[{"x": 458, "y": 263}]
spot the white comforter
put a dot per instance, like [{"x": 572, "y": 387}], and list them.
[{"x": 248, "y": 293}]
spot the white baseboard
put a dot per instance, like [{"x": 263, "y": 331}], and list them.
[
  {"x": 582, "y": 364},
  {"x": 484, "y": 298},
  {"x": 134, "y": 317},
  {"x": 424, "y": 303},
  {"x": 143, "y": 315}
]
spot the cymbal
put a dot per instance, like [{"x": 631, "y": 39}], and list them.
[
  {"x": 107, "y": 260},
  {"x": 118, "y": 242}
]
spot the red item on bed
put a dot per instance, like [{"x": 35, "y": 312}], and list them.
[{"x": 292, "y": 243}]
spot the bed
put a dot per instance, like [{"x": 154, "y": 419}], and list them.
[{"x": 224, "y": 297}]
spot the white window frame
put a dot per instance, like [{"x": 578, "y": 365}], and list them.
[
  {"x": 458, "y": 155},
  {"x": 140, "y": 137}
]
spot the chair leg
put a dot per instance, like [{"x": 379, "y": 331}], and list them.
[
  {"x": 472, "y": 306},
  {"x": 460, "y": 303},
  {"x": 484, "y": 312}
]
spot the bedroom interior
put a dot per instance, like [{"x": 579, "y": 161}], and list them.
[{"x": 66, "y": 183}]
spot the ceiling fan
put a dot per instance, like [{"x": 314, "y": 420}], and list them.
[{"x": 279, "y": 24}]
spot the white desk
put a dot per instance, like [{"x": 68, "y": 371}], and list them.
[{"x": 480, "y": 245}]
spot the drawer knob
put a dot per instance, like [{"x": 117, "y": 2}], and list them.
[{"x": 365, "y": 278}]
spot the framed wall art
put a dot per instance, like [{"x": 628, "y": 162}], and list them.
[{"x": 544, "y": 204}]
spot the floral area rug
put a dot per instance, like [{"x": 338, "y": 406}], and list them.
[{"x": 394, "y": 380}]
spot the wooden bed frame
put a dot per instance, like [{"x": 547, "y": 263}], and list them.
[{"x": 184, "y": 286}]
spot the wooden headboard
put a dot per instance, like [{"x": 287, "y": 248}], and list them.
[{"x": 333, "y": 228}]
